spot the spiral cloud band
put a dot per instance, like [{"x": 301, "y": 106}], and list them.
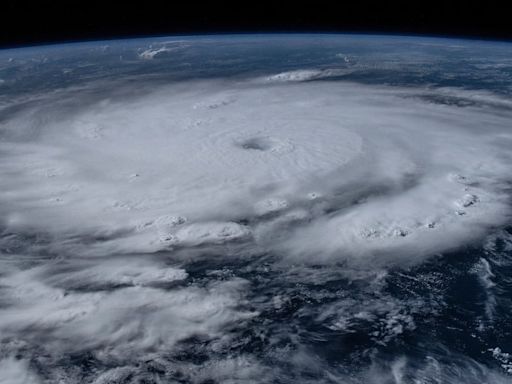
[{"x": 336, "y": 170}]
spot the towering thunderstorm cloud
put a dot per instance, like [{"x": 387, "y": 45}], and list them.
[{"x": 223, "y": 229}]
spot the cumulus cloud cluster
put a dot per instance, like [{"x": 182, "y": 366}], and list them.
[{"x": 312, "y": 172}]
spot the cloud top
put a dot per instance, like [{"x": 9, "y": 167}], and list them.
[{"x": 170, "y": 229}]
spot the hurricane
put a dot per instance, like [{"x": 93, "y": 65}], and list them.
[{"x": 256, "y": 209}]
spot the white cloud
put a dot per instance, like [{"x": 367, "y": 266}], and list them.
[
  {"x": 45, "y": 307},
  {"x": 304, "y": 75},
  {"x": 381, "y": 162},
  {"x": 14, "y": 371},
  {"x": 312, "y": 172}
]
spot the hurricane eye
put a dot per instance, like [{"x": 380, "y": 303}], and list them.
[{"x": 256, "y": 144}]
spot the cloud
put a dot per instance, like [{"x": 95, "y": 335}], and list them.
[
  {"x": 304, "y": 75},
  {"x": 162, "y": 49},
  {"x": 392, "y": 173},
  {"x": 14, "y": 371},
  {"x": 116, "y": 212},
  {"x": 114, "y": 312}
]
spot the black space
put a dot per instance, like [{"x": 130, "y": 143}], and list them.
[{"x": 26, "y": 23}]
